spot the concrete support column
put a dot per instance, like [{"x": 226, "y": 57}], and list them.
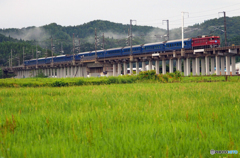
[
  {"x": 222, "y": 66},
  {"x": 64, "y": 72},
  {"x": 217, "y": 65},
  {"x": 131, "y": 67},
  {"x": 114, "y": 70},
  {"x": 54, "y": 72},
  {"x": 212, "y": 66},
  {"x": 233, "y": 59},
  {"x": 62, "y": 76},
  {"x": 137, "y": 67},
  {"x": 227, "y": 65},
  {"x": 71, "y": 75},
  {"x": 197, "y": 66},
  {"x": 203, "y": 66},
  {"x": 157, "y": 66},
  {"x": 170, "y": 66},
  {"x": 143, "y": 66},
  {"x": 163, "y": 66},
  {"x": 78, "y": 71},
  {"x": 179, "y": 64},
  {"x": 48, "y": 71},
  {"x": 57, "y": 73},
  {"x": 124, "y": 68},
  {"x": 193, "y": 67},
  {"x": 119, "y": 69},
  {"x": 60, "y": 72},
  {"x": 73, "y": 71},
  {"x": 187, "y": 66},
  {"x": 51, "y": 72},
  {"x": 150, "y": 65},
  {"x": 68, "y": 72},
  {"x": 85, "y": 71},
  {"x": 184, "y": 67},
  {"x": 207, "y": 65}
]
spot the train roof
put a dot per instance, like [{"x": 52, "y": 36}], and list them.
[
  {"x": 60, "y": 55},
  {"x": 132, "y": 46},
  {"x": 115, "y": 48},
  {"x": 185, "y": 39},
  {"x": 84, "y": 52},
  {"x": 204, "y": 36},
  {"x": 149, "y": 44}
]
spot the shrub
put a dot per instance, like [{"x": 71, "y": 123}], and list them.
[{"x": 59, "y": 84}]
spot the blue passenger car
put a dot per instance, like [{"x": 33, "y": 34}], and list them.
[
  {"x": 48, "y": 60},
  {"x": 113, "y": 52},
  {"x": 80, "y": 55},
  {"x": 69, "y": 57},
  {"x": 177, "y": 44},
  {"x": 41, "y": 61},
  {"x": 101, "y": 53},
  {"x": 60, "y": 58},
  {"x": 153, "y": 47},
  {"x": 137, "y": 49}
]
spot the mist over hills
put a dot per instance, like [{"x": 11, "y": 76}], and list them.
[{"x": 115, "y": 36}]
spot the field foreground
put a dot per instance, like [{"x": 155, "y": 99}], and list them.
[{"x": 128, "y": 120}]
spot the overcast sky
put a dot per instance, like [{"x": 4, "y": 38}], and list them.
[{"x": 24, "y": 13}]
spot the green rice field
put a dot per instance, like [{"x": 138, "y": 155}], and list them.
[{"x": 143, "y": 120}]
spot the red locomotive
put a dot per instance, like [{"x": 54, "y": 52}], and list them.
[{"x": 206, "y": 42}]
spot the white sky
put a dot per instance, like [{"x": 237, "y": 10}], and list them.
[{"x": 24, "y": 13}]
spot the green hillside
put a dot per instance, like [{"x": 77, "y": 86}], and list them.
[{"x": 115, "y": 36}]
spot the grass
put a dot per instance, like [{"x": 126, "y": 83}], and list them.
[
  {"x": 121, "y": 120},
  {"x": 143, "y": 77}
]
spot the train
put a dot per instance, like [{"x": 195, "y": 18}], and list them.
[{"x": 158, "y": 47}]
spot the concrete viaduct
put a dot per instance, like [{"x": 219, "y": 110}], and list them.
[{"x": 198, "y": 61}]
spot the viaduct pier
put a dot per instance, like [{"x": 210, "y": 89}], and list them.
[{"x": 205, "y": 61}]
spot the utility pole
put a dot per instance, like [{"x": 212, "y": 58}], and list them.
[
  {"x": 23, "y": 56},
  {"x": 225, "y": 26},
  {"x": 128, "y": 40},
  {"x": 103, "y": 42},
  {"x": 79, "y": 45},
  {"x": 167, "y": 28},
  {"x": 9, "y": 61},
  {"x": 131, "y": 35},
  {"x": 96, "y": 43},
  {"x": 36, "y": 57},
  {"x": 18, "y": 60},
  {"x": 183, "y": 27},
  {"x": 46, "y": 53},
  {"x": 32, "y": 54},
  {"x": 73, "y": 49},
  {"x": 61, "y": 48},
  {"x": 52, "y": 49},
  {"x": 11, "y": 58}
]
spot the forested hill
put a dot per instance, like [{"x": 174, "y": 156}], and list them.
[{"x": 115, "y": 36}]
